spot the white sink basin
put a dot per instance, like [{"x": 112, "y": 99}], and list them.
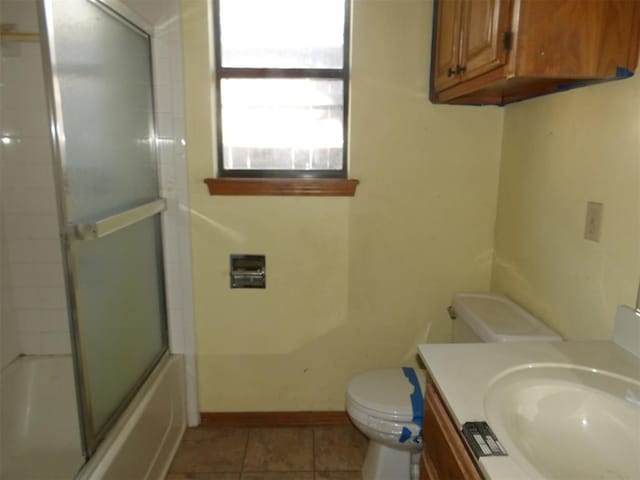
[{"x": 567, "y": 422}]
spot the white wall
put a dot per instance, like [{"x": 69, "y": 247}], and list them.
[{"x": 560, "y": 152}]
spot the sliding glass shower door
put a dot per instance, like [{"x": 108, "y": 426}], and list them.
[{"x": 102, "y": 120}]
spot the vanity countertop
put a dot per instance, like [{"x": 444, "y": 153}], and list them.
[{"x": 462, "y": 373}]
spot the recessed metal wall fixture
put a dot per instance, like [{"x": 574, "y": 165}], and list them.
[{"x": 247, "y": 271}]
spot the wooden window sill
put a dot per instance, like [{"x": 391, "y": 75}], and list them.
[{"x": 327, "y": 187}]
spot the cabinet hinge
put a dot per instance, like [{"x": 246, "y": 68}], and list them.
[{"x": 507, "y": 38}]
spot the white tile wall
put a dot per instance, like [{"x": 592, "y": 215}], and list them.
[
  {"x": 9, "y": 338},
  {"x": 34, "y": 313},
  {"x": 168, "y": 83}
]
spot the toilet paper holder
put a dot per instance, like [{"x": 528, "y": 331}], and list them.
[{"x": 247, "y": 271}]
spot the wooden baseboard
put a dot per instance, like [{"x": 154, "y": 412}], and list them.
[{"x": 273, "y": 419}]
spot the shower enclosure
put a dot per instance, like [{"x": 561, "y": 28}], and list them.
[{"x": 83, "y": 311}]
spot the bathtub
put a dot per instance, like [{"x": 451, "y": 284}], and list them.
[
  {"x": 140, "y": 446},
  {"x": 39, "y": 433}
]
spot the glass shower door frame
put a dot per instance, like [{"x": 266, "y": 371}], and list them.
[{"x": 71, "y": 233}]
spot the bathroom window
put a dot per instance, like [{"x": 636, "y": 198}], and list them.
[{"x": 282, "y": 82}]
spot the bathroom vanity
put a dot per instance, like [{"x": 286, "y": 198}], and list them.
[{"x": 532, "y": 382}]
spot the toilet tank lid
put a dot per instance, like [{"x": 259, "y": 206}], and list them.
[{"x": 496, "y": 318}]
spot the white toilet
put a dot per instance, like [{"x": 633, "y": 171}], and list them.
[{"x": 387, "y": 404}]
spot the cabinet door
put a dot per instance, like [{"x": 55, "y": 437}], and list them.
[
  {"x": 445, "y": 455},
  {"x": 447, "y": 44},
  {"x": 578, "y": 39},
  {"x": 484, "y": 23}
]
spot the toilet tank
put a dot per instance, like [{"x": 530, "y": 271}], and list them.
[{"x": 490, "y": 317}]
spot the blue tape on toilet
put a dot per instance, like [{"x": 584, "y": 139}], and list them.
[
  {"x": 405, "y": 435},
  {"x": 417, "y": 404},
  {"x": 417, "y": 401}
]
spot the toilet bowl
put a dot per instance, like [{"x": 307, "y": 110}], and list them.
[{"x": 387, "y": 404}]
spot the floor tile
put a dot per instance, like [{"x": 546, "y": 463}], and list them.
[
  {"x": 339, "y": 448},
  {"x": 203, "y": 476},
  {"x": 207, "y": 449},
  {"x": 278, "y": 476},
  {"x": 338, "y": 475},
  {"x": 279, "y": 449}
]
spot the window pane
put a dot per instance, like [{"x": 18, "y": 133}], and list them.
[
  {"x": 282, "y": 33},
  {"x": 283, "y": 124}
]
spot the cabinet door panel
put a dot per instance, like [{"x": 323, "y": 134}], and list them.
[
  {"x": 593, "y": 46},
  {"x": 483, "y": 27},
  {"x": 447, "y": 47},
  {"x": 446, "y": 457}
]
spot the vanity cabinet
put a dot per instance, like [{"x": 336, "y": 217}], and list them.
[
  {"x": 500, "y": 51},
  {"x": 445, "y": 455}
]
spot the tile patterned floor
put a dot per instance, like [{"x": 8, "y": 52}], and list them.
[{"x": 333, "y": 452}]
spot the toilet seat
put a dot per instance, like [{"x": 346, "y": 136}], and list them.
[
  {"x": 389, "y": 429},
  {"x": 385, "y": 394},
  {"x": 383, "y": 403},
  {"x": 390, "y": 416}
]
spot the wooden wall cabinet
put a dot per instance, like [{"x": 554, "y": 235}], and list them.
[
  {"x": 500, "y": 51},
  {"x": 445, "y": 455}
]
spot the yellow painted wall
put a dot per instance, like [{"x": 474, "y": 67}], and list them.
[
  {"x": 558, "y": 153},
  {"x": 352, "y": 283}
]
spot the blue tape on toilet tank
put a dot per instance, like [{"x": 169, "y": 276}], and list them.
[{"x": 417, "y": 405}]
